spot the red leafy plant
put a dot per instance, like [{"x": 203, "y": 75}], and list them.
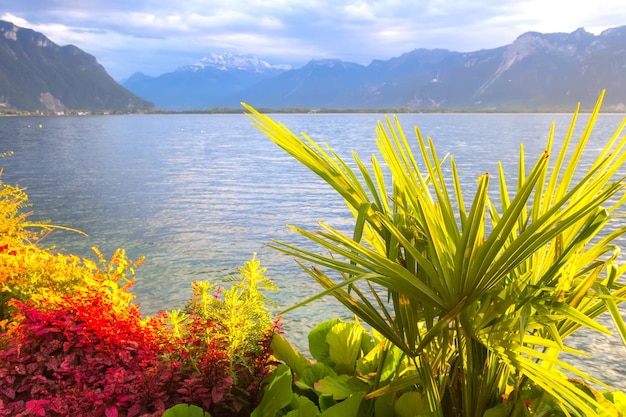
[
  {"x": 87, "y": 358},
  {"x": 92, "y": 354}
]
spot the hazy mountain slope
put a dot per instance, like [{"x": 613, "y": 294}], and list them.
[
  {"x": 37, "y": 74},
  {"x": 537, "y": 71},
  {"x": 321, "y": 83}
]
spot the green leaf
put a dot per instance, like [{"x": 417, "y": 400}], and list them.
[
  {"x": 383, "y": 406},
  {"x": 312, "y": 374},
  {"x": 317, "y": 341},
  {"x": 276, "y": 394},
  {"x": 368, "y": 364},
  {"x": 618, "y": 398},
  {"x": 185, "y": 410},
  {"x": 285, "y": 352},
  {"x": 616, "y": 314},
  {"x": 302, "y": 407},
  {"x": 340, "y": 386},
  {"x": 384, "y": 352},
  {"x": 500, "y": 410},
  {"x": 344, "y": 345},
  {"x": 411, "y": 404},
  {"x": 391, "y": 365},
  {"x": 346, "y": 408},
  {"x": 326, "y": 401}
]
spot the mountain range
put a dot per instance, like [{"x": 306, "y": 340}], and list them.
[
  {"x": 214, "y": 81},
  {"x": 38, "y": 75},
  {"x": 536, "y": 72}
]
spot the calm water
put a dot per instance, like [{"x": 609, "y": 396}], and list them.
[{"x": 199, "y": 194}]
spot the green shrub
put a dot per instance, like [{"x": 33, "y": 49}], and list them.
[{"x": 230, "y": 330}]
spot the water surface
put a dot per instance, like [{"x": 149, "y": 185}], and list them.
[{"x": 199, "y": 194}]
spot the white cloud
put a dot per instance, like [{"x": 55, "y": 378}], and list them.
[
  {"x": 14, "y": 19},
  {"x": 360, "y": 11},
  {"x": 118, "y": 31},
  {"x": 56, "y": 32}
]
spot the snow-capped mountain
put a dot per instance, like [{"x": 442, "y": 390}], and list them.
[
  {"x": 207, "y": 83},
  {"x": 227, "y": 62}
]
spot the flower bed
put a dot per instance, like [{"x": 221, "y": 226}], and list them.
[{"x": 74, "y": 344}]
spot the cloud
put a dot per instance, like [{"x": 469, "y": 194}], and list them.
[{"x": 156, "y": 36}]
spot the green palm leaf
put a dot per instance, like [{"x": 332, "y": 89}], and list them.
[{"x": 478, "y": 297}]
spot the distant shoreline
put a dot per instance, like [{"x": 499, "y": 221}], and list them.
[{"x": 264, "y": 110}]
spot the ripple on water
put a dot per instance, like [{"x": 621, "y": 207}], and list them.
[{"x": 199, "y": 194}]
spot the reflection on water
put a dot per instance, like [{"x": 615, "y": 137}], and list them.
[{"x": 199, "y": 194}]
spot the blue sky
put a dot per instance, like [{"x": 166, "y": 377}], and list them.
[{"x": 158, "y": 36}]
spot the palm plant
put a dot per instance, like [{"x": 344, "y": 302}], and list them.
[{"x": 479, "y": 296}]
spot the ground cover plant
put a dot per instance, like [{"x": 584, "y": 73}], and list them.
[
  {"x": 73, "y": 343},
  {"x": 478, "y": 294}
]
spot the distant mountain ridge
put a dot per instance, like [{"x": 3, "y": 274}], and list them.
[
  {"x": 210, "y": 82},
  {"x": 536, "y": 72},
  {"x": 38, "y": 75},
  {"x": 228, "y": 62}
]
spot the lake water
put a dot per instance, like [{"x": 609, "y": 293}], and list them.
[{"x": 199, "y": 194}]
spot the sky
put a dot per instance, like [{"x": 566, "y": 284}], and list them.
[{"x": 158, "y": 36}]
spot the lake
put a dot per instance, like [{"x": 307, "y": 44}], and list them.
[{"x": 199, "y": 194}]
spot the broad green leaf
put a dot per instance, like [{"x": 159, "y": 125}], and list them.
[
  {"x": 326, "y": 401},
  {"x": 285, "y": 352},
  {"x": 384, "y": 360},
  {"x": 411, "y": 404},
  {"x": 344, "y": 346},
  {"x": 346, "y": 408},
  {"x": 185, "y": 410},
  {"x": 276, "y": 394},
  {"x": 302, "y": 407},
  {"x": 340, "y": 386},
  {"x": 318, "y": 346},
  {"x": 312, "y": 374},
  {"x": 383, "y": 406}
]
